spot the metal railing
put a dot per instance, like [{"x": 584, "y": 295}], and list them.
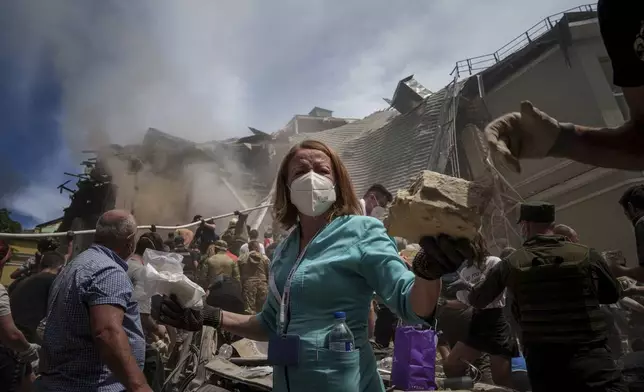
[
  {"x": 144, "y": 227},
  {"x": 473, "y": 65}
]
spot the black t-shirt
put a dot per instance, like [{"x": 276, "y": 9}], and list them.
[
  {"x": 206, "y": 235},
  {"x": 189, "y": 257},
  {"x": 226, "y": 293},
  {"x": 622, "y": 27},
  {"x": 29, "y": 302}
]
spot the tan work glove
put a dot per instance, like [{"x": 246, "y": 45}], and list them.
[{"x": 529, "y": 134}]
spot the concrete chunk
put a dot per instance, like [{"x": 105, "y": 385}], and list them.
[{"x": 435, "y": 204}]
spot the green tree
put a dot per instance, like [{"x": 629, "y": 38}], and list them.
[{"x": 8, "y": 225}]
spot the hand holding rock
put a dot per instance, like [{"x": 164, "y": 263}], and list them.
[{"x": 441, "y": 255}]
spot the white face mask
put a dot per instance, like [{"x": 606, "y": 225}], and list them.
[{"x": 312, "y": 194}]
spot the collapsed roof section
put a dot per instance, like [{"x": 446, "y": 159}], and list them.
[{"x": 388, "y": 147}]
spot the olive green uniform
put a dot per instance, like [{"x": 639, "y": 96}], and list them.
[
  {"x": 253, "y": 267},
  {"x": 557, "y": 288},
  {"x": 220, "y": 264}
]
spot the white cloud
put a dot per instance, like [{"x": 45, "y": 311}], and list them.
[{"x": 38, "y": 202}]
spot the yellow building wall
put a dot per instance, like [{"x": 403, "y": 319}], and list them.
[{"x": 22, "y": 250}]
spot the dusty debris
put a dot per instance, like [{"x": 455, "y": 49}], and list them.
[{"x": 436, "y": 203}]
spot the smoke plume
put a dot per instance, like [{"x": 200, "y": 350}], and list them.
[{"x": 127, "y": 66}]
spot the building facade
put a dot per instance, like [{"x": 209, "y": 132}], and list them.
[{"x": 566, "y": 73}]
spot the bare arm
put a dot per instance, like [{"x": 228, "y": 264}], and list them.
[
  {"x": 10, "y": 335},
  {"x": 150, "y": 327},
  {"x": 620, "y": 148},
  {"x": 632, "y": 305},
  {"x": 243, "y": 325},
  {"x": 371, "y": 322},
  {"x": 106, "y": 323},
  {"x": 18, "y": 272},
  {"x": 424, "y": 296}
]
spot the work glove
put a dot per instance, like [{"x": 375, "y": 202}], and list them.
[
  {"x": 29, "y": 355},
  {"x": 528, "y": 134},
  {"x": 441, "y": 255},
  {"x": 171, "y": 313}
]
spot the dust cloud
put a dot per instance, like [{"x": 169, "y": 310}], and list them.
[{"x": 127, "y": 66}]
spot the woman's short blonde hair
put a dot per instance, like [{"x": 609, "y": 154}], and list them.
[{"x": 346, "y": 200}]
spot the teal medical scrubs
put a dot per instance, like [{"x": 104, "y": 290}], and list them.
[{"x": 342, "y": 267}]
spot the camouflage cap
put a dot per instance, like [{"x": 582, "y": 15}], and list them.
[
  {"x": 221, "y": 244},
  {"x": 537, "y": 211}
]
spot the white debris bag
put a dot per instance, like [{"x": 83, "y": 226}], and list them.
[{"x": 164, "y": 276}]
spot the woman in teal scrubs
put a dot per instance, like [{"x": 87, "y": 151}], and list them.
[{"x": 334, "y": 259}]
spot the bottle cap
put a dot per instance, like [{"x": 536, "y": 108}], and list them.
[{"x": 340, "y": 315}]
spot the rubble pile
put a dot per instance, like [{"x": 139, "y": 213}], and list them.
[{"x": 436, "y": 203}]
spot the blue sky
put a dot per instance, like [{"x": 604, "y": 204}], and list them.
[
  {"x": 77, "y": 74},
  {"x": 33, "y": 152}
]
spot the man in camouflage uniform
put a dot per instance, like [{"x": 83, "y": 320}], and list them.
[
  {"x": 253, "y": 267},
  {"x": 218, "y": 264},
  {"x": 557, "y": 287}
]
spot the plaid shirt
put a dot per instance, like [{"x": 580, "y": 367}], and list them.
[{"x": 70, "y": 360}]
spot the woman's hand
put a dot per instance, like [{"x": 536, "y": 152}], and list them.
[
  {"x": 171, "y": 313},
  {"x": 441, "y": 255}
]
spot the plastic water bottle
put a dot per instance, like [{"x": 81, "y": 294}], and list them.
[
  {"x": 340, "y": 337},
  {"x": 225, "y": 351}
]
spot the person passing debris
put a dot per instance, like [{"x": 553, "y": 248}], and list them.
[
  {"x": 205, "y": 235},
  {"x": 332, "y": 261},
  {"x": 558, "y": 287},
  {"x": 236, "y": 235},
  {"x": 532, "y": 133},
  {"x": 489, "y": 330}
]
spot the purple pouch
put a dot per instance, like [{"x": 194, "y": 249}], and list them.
[{"x": 414, "y": 362}]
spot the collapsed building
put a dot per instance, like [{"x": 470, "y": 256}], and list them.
[{"x": 559, "y": 64}]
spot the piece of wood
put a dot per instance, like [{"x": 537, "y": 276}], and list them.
[{"x": 226, "y": 369}]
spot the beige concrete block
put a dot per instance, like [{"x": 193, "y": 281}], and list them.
[{"x": 437, "y": 204}]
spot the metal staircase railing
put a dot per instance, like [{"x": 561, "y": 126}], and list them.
[{"x": 473, "y": 65}]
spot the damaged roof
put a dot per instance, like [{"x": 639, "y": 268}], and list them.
[{"x": 387, "y": 147}]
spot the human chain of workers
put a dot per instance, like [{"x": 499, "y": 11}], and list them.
[{"x": 91, "y": 334}]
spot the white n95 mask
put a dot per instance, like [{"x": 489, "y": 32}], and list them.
[{"x": 312, "y": 194}]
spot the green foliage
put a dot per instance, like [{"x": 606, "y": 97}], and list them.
[{"x": 8, "y": 225}]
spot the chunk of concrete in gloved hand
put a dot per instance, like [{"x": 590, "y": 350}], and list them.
[{"x": 437, "y": 204}]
